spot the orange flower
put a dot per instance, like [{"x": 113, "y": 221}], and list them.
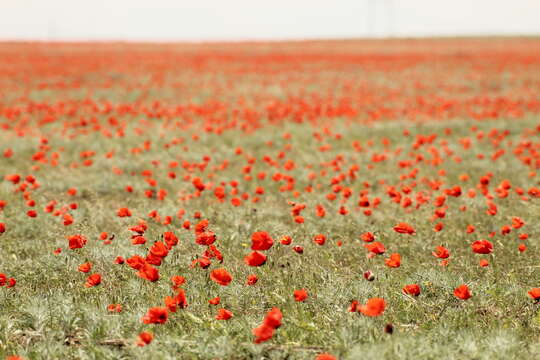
[
  {"x": 394, "y": 261},
  {"x": 123, "y": 212},
  {"x": 462, "y": 292},
  {"x": 373, "y": 307},
  {"x": 534, "y": 293},
  {"x": 114, "y": 308},
  {"x": 86, "y": 267},
  {"x": 221, "y": 276},
  {"x": 170, "y": 303},
  {"x": 484, "y": 263},
  {"x": 325, "y": 356}
]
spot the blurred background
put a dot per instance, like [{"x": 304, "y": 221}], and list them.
[{"x": 211, "y": 20}]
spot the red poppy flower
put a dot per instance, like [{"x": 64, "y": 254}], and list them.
[
  {"x": 76, "y": 241},
  {"x": 86, "y": 267},
  {"x": 273, "y": 318},
  {"x": 148, "y": 272},
  {"x": 156, "y": 315},
  {"x": 2, "y": 228},
  {"x": 375, "y": 247},
  {"x": 271, "y": 322},
  {"x": 255, "y": 258},
  {"x": 205, "y": 238},
  {"x": 462, "y": 292},
  {"x": 517, "y": 222},
  {"x": 181, "y": 299},
  {"x": 261, "y": 241},
  {"x": 325, "y": 356},
  {"x": 202, "y": 262},
  {"x": 170, "y": 239},
  {"x": 114, "y": 308},
  {"x": 144, "y": 338},
  {"x": 93, "y": 280},
  {"x": 404, "y": 228},
  {"x": 170, "y": 303},
  {"x": 224, "y": 314},
  {"x": 159, "y": 249},
  {"x": 369, "y": 275},
  {"x": 319, "y": 239},
  {"x": 367, "y": 237},
  {"x": 534, "y": 293},
  {"x": 221, "y": 276},
  {"x": 178, "y": 280},
  {"x": 123, "y": 212},
  {"x": 441, "y": 252},
  {"x": 214, "y": 301},
  {"x": 484, "y": 263},
  {"x": 252, "y": 279},
  {"x": 286, "y": 240},
  {"x": 263, "y": 333},
  {"x": 482, "y": 247},
  {"x": 394, "y": 261},
  {"x": 412, "y": 289},
  {"x": 136, "y": 262},
  {"x": 300, "y": 295},
  {"x": 68, "y": 219},
  {"x": 373, "y": 307}
]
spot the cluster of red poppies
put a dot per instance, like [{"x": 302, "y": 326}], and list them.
[{"x": 194, "y": 138}]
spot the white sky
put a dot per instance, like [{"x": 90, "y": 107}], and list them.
[{"x": 261, "y": 19}]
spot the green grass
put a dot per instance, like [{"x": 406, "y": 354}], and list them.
[{"x": 50, "y": 314}]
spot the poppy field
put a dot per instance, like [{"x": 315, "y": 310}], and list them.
[{"x": 348, "y": 199}]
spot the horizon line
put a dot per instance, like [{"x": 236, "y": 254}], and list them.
[{"x": 113, "y": 40}]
